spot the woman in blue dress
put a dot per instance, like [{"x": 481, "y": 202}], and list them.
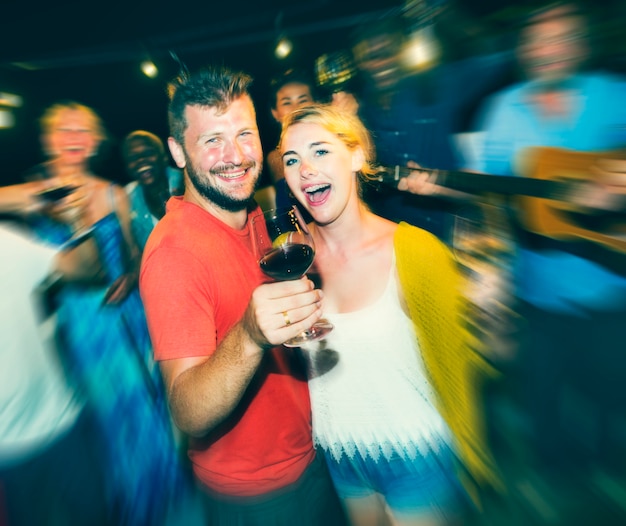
[{"x": 104, "y": 331}]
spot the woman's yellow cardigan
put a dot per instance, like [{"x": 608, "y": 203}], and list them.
[{"x": 432, "y": 284}]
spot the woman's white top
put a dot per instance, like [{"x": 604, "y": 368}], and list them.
[{"x": 369, "y": 391}]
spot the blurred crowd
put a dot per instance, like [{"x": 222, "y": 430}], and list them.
[{"x": 467, "y": 214}]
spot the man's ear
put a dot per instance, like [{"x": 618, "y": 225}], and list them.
[
  {"x": 177, "y": 152},
  {"x": 358, "y": 159}
]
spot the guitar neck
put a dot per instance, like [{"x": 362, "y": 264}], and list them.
[{"x": 478, "y": 183}]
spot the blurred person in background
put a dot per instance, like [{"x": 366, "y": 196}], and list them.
[
  {"x": 571, "y": 367},
  {"x": 103, "y": 329},
  {"x": 290, "y": 91},
  {"x": 154, "y": 181},
  {"x": 393, "y": 386},
  {"x": 414, "y": 112},
  {"x": 51, "y": 469}
]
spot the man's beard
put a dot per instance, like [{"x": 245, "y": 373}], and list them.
[{"x": 216, "y": 195}]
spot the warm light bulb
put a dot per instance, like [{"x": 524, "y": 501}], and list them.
[
  {"x": 422, "y": 50},
  {"x": 283, "y": 48},
  {"x": 10, "y": 99},
  {"x": 149, "y": 69},
  {"x": 6, "y": 119}
]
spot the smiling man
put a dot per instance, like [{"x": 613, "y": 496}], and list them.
[
  {"x": 154, "y": 181},
  {"x": 217, "y": 327}
]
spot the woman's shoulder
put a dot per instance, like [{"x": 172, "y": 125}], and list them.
[
  {"x": 380, "y": 230},
  {"x": 107, "y": 188},
  {"x": 417, "y": 243},
  {"x": 106, "y": 195},
  {"x": 407, "y": 231}
]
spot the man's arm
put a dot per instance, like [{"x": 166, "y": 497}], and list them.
[
  {"x": 204, "y": 390},
  {"x": 425, "y": 182}
]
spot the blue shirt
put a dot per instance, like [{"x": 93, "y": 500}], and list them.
[
  {"x": 553, "y": 279},
  {"x": 142, "y": 220}
]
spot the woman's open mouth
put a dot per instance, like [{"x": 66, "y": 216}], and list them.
[{"x": 317, "y": 194}]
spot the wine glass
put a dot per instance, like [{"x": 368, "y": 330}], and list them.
[
  {"x": 52, "y": 196},
  {"x": 286, "y": 251}
]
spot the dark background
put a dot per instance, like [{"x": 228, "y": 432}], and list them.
[{"x": 90, "y": 52}]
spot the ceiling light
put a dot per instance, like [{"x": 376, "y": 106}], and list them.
[
  {"x": 149, "y": 69},
  {"x": 283, "y": 48}
]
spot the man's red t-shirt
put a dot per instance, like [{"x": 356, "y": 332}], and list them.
[{"x": 197, "y": 277}]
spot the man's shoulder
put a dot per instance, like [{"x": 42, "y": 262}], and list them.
[{"x": 187, "y": 228}]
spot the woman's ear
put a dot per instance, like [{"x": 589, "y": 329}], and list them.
[
  {"x": 177, "y": 152},
  {"x": 358, "y": 159}
]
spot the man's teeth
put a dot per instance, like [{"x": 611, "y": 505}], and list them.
[{"x": 232, "y": 175}]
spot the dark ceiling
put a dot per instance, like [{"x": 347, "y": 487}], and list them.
[
  {"x": 90, "y": 52},
  {"x": 71, "y": 33}
]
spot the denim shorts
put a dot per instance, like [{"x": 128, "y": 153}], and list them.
[{"x": 409, "y": 486}]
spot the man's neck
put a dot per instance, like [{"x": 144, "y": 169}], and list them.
[{"x": 236, "y": 220}]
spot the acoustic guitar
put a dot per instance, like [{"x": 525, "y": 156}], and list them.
[
  {"x": 564, "y": 219},
  {"x": 478, "y": 184},
  {"x": 545, "y": 193}
]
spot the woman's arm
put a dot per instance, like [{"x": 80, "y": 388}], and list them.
[
  {"x": 124, "y": 284},
  {"x": 20, "y": 199}
]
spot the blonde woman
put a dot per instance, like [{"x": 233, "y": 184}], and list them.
[
  {"x": 378, "y": 384},
  {"x": 103, "y": 329}
]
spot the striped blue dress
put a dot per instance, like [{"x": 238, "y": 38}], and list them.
[{"x": 108, "y": 354}]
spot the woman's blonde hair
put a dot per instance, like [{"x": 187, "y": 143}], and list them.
[
  {"x": 346, "y": 126},
  {"x": 53, "y": 112}
]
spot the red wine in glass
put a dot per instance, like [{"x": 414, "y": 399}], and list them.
[
  {"x": 286, "y": 251},
  {"x": 289, "y": 261}
]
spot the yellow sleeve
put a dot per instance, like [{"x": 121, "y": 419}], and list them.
[{"x": 431, "y": 283}]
